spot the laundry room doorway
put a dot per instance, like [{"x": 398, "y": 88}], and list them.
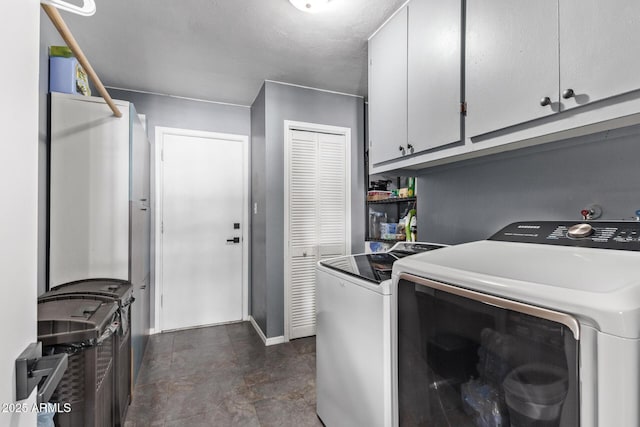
[
  {"x": 317, "y": 220},
  {"x": 202, "y": 226}
]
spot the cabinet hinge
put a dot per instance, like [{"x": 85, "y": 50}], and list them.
[
  {"x": 162, "y": 155},
  {"x": 463, "y": 108},
  {"x": 162, "y": 227},
  {"x": 161, "y": 300}
]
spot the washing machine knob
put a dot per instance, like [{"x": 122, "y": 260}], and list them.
[{"x": 580, "y": 230}]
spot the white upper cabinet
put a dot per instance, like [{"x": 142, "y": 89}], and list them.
[
  {"x": 599, "y": 42},
  {"x": 511, "y": 63},
  {"x": 415, "y": 69},
  {"x": 528, "y": 72},
  {"x": 434, "y": 73},
  {"x": 527, "y": 60},
  {"x": 388, "y": 90}
]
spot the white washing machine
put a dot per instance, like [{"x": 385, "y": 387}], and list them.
[
  {"x": 353, "y": 337},
  {"x": 538, "y": 325}
]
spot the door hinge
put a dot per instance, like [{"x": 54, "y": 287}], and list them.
[{"x": 463, "y": 108}]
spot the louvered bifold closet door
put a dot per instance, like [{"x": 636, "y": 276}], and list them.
[
  {"x": 303, "y": 232},
  {"x": 317, "y": 224},
  {"x": 332, "y": 200}
]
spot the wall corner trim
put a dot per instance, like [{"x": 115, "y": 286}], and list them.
[
  {"x": 313, "y": 88},
  {"x": 265, "y": 340}
]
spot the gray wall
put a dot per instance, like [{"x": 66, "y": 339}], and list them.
[
  {"x": 474, "y": 199},
  {"x": 258, "y": 264},
  {"x": 182, "y": 113},
  {"x": 285, "y": 102}
]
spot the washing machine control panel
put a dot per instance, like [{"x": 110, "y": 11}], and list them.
[{"x": 623, "y": 235}]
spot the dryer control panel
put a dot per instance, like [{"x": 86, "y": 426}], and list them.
[{"x": 622, "y": 235}]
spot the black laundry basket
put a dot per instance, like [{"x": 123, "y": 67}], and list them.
[
  {"x": 120, "y": 291},
  {"x": 84, "y": 329}
]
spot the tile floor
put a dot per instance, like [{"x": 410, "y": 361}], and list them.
[{"x": 224, "y": 376}]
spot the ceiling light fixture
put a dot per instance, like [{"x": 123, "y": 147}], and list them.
[{"x": 310, "y": 6}]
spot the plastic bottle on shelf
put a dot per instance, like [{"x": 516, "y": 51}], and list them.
[
  {"x": 407, "y": 223},
  {"x": 413, "y": 228}
]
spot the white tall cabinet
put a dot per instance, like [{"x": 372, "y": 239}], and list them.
[{"x": 99, "y": 211}]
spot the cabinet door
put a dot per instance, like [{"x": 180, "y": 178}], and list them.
[
  {"x": 139, "y": 202},
  {"x": 434, "y": 73},
  {"x": 89, "y": 190},
  {"x": 598, "y": 45},
  {"x": 140, "y": 243},
  {"x": 388, "y": 90},
  {"x": 140, "y": 323},
  {"x": 511, "y": 62}
]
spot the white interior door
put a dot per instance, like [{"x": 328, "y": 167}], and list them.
[
  {"x": 202, "y": 213},
  {"x": 318, "y": 218}
]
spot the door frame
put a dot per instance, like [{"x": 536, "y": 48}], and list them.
[
  {"x": 160, "y": 132},
  {"x": 290, "y": 125}
]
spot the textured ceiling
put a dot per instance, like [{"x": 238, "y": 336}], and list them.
[{"x": 222, "y": 50}]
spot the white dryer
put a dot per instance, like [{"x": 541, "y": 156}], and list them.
[
  {"x": 537, "y": 326},
  {"x": 353, "y": 337}
]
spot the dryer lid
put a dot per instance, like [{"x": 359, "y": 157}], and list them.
[{"x": 600, "y": 287}]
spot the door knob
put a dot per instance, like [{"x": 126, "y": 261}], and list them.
[
  {"x": 234, "y": 240},
  {"x": 568, "y": 93},
  {"x": 545, "y": 101}
]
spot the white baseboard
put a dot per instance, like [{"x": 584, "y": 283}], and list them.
[
  {"x": 265, "y": 340},
  {"x": 274, "y": 340}
]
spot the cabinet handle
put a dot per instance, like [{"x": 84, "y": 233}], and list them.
[
  {"x": 401, "y": 148},
  {"x": 143, "y": 200},
  {"x": 545, "y": 101},
  {"x": 143, "y": 209},
  {"x": 409, "y": 147},
  {"x": 568, "y": 93}
]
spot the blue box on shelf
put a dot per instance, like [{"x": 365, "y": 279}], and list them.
[
  {"x": 62, "y": 75},
  {"x": 67, "y": 76}
]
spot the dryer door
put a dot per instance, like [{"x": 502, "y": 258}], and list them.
[{"x": 470, "y": 359}]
